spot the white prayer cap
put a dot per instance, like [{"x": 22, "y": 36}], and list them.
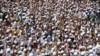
[
  {"x": 22, "y": 43},
  {"x": 23, "y": 17},
  {"x": 72, "y": 51},
  {"x": 1, "y": 45},
  {"x": 90, "y": 46},
  {"x": 15, "y": 51},
  {"x": 98, "y": 11},
  {"x": 45, "y": 42},
  {"x": 27, "y": 17},
  {"x": 62, "y": 51},
  {"x": 7, "y": 30},
  {"x": 29, "y": 48},
  {"x": 80, "y": 47},
  {"x": 15, "y": 41},
  {"x": 58, "y": 31},
  {"x": 31, "y": 54},
  {"x": 11, "y": 52},
  {"x": 1, "y": 51},
  {"x": 20, "y": 55},
  {"x": 96, "y": 31},
  {"x": 14, "y": 45},
  {"x": 67, "y": 26},
  {"x": 98, "y": 35},
  {"x": 65, "y": 29},
  {"x": 72, "y": 31},
  {"x": 83, "y": 53},
  {"x": 66, "y": 36},
  {"x": 19, "y": 52},
  {"x": 45, "y": 25},
  {"x": 69, "y": 40},
  {"x": 75, "y": 41},
  {"x": 54, "y": 53},
  {"x": 25, "y": 50},
  {"x": 97, "y": 39},
  {"x": 30, "y": 38},
  {"x": 88, "y": 31},
  {"x": 14, "y": 36},
  {"x": 82, "y": 33},
  {"x": 42, "y": 54},
  {"x": 38, "y": 40},
  {"x": 75, "y": 53},
  {"x": 58, "y": 42},
  {"x": 8, "y": 49},
  {"x": 91, "y": 51},
  {"x": 1, "y": 13},
  {"x": 66, "y": 22},
  {"x": 8, "y": 41},
  {"x": 65, "y": 40},
  {"x": 2, "y": 36},
  {"x": 50, "y": 42},
  {"x": 62, "y": 46},
  {"x": 37, "y": 50},
  {"x": 87, "y": 40},
  {"x": 46, "y": 53},
  {"x": 34, "y": 41},
  {"x": 64, "y": 54},
  {"x": 91, "y": 55}
]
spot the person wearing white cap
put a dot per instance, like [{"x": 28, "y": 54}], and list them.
[
  {"x": 31, "y": 54},
  {"x": 8, "y": 51},
  {"x": 92, "y": 55},
  {"x": 83, "y": 53},
  {"x": 58, "y": 43},
  {"x": 75, "y": 54},
  {"x": 54, "y": 53},
  {"x": 24, "y": 49},
  {"x": 64, "y": 54},
  {"x": 89, "y": 47},
  {"x": 72, "y": 52},
  {"x": 20, "y": 52}
]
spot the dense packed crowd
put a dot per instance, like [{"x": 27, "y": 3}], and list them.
[{"x": 49, "y": 28}]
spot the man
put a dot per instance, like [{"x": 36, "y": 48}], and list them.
[
  {"x": 5, "y": 16},
  {"x": 99, "y": 3},
  {"x": 98, "y": 16}
]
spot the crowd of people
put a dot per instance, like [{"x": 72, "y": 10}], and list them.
[{"x": 49, "y": 28}]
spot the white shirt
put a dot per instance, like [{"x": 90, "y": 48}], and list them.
[{"x": 31, "y": 54}]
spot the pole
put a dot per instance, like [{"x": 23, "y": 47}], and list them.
[
  {"x": 30, "y": 1},
  {"x": 4, "y": 43}
]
